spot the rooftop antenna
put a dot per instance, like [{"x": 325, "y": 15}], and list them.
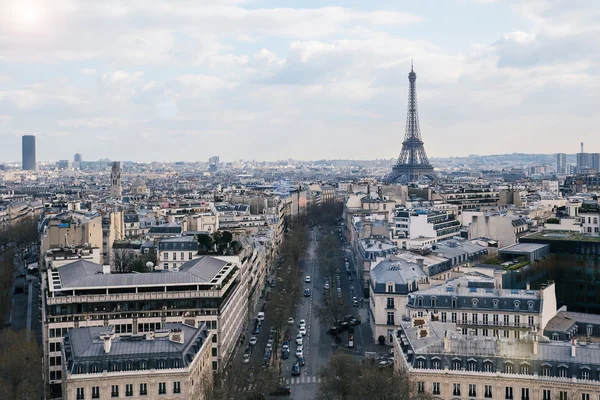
[{"x": 411, "y": 65}]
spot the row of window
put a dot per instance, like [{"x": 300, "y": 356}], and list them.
[
  {"x": 473, "y": 319},
  {"x": 121, "y": 328},
  {"x": 509, "y": 368},
  {"x": 114, "y": 390},
  {"x": 166, "y": 256},
  {"x": 489, "y": 394},
  {"x": 433, "y": 303},
  {"x": 128, "y": 366}
]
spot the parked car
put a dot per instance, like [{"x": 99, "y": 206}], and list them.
[
  {"x": 299, "y": 339},
  {"x": 285, "y": 354},
  {"x": 246, "y": 358},
  {"x": 303, "y": 331},
  {"x": 256, "y": 330},
  {"x": 253, "y": 341},
  {"x": 302, "y": 323},
  {"x": 269, "y": 296},
  {"x": 299, "y": 352},
  {"x": 306, "y": 292},
  {"x": 307, "y": 279},
  {"x": 290, "y": 321},
  {"x": 301, "y": 361},
  {"x": 326, "y": 286},
  {"x": 261, "y": 316}
]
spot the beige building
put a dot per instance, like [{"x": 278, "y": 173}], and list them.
[
  {"x": 205, "y": 290},
  {"x": 505, "y": 228},
  {"x": 170, "y": 363},
  {"x": 72, "y": 229}
]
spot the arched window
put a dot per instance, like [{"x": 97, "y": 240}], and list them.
[
  {"x": 517, "y": 304},
  {"x": 508, "y": 367},
  {"x": 454, "y": 303},
  {"x": 475, "y": 302},
  {"x": 495, "y": 303},
  {"x": 433, "y": 302},
  {"x": 419, "y": 301},
  {"x": 530, "y": 305}
]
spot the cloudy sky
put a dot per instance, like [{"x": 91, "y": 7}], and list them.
[{"x": 308, "y": 79}]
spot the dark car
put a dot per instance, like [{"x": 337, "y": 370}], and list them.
[
  {"x": 268, "y": 297},
  {"x": 307, "y": 293},
  {"x": 256, "y": 330},
  {"x": 282, "y": 391},
  {"x": 285, "y": 354},
  {"x": 296, "y": 369},
  {"x": 301, "y": 361}
]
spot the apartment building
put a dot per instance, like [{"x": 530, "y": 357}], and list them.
[
  {"x": 173, "y": 362},
  {"x": 505, "y": 228},
  {"x": 477, "y": 307},
  {"x": 175, "y": 251},
  {"x": 590, "y": 220},
  {"x": 450, "y": 365},
  {"x": 391, "y": 282},
  {"x": 470, "y": 199},
  {"x": 425, "y": 223},
  {"x": 72, "y": 228},
  {"x": 368, "y": 253},
  {"x": 204, "y": 290}
]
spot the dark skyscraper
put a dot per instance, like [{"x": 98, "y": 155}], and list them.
[
  {"x": 77, "y": 158},
  {"x": 29, "y": 152}
]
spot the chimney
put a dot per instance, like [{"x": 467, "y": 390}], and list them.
[
  {"x": 106, "y": 269},
  {"x": 573, "y": 348},
  {"x": 535, "y": 344},
  {"x": 107, "y": 343},
  {"x": 528, "y": 286},
  {"x": 446, "y": 341},
  {"x": 582, "y": 147},
  {"x": 420, "y": 262},
  {"x": 176, "y": 335}
]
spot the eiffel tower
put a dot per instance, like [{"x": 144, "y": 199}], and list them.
[{"x": 412, "y": 162}]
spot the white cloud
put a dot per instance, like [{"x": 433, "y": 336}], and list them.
[{"x": 88, "y": 71}]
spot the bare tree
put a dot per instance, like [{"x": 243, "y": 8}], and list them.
[
  {"x": 20, "y": 366},
  {"x": 344, "y": 378},
  {"x": 123, "y": 260}
]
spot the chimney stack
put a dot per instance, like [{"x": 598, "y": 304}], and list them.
[
  {"x": 573, "y": 348},
  {"x": 528, "y": 286},
  {"x": 420, "y": 262},
  {"x": 581, "y": 147},
  {"x": 535, "y": 344}
]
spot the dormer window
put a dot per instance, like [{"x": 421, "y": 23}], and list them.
[
  {"x": 454, "y": 303},
  {"x": 95, "y": 369},
  {"x": 495, "y": 303},
  {"x": 475, "y": 301},
  {"x": 517, "y": 304},
  {"x": 390, "y": 288},
  {"x": 419, "y": 302},
  {"x": 433, "y": 302},
  {"x": 530, "y": 305}
]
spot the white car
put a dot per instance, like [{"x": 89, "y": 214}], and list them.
[
  {"x": 299, "y": 340},
  {"x": 303, "y": 331},
  {"x": 261, "y": 316},
  {"x": 253, "y": 341},
  {"x": 246, "y": 358},
  {"x": 299, "y": 352},
  {"x": 327, "y": 286},
  {"x": 307, "y": 279},
  {"x": 302, "y": 323},
  {"x": 290, "y": 321}
]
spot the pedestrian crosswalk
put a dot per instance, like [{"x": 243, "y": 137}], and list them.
[
  {"x": 299, "y": 380},
  {"x": 364, "y": 315}
]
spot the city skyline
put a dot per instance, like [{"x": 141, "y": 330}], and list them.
[{"x": 313, "y": 80}]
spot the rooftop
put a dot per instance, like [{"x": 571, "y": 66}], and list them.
[
  {"x": 83, "y": 274},
  {"x": 562, "y": 236}
]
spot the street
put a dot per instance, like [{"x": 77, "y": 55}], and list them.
[{"x": 318, "y": 346}]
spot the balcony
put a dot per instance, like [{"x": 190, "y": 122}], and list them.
[
  {"x": 391, "y": 322},
  {"x": 390, "y": 307}
]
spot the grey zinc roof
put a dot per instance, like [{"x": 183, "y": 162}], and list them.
[
  {"x": 83, "y": 274},
  {"x": 524, "y": 248},
  {"x": 399, "y": 272},
  {"x": 86, "y": 345},
  {"x": 184, "y": 243},
  {"x": 478, "y": 346}
]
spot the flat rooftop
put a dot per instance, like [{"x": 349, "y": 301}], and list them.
[{"x": 562, "y": 235}]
